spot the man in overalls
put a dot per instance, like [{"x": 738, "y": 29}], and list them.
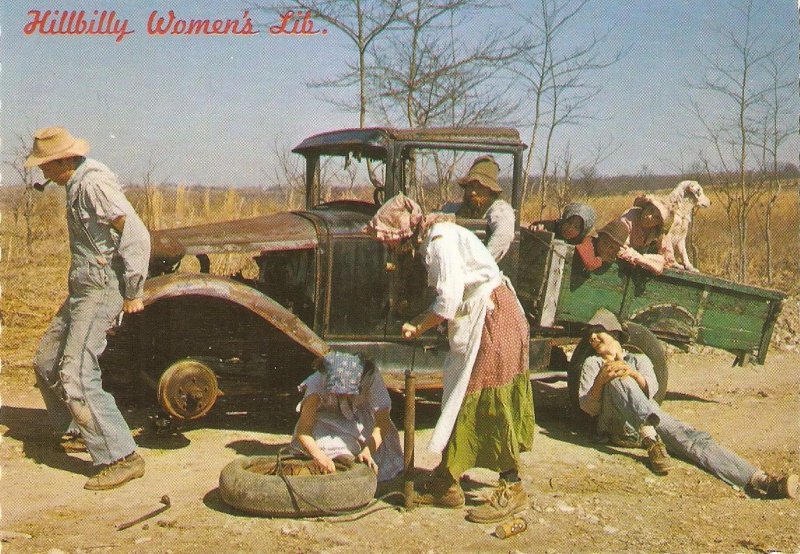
[{"x": 110, "y": 251}]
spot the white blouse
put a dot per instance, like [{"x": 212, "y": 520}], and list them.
[{"x": 456, "y": 261}]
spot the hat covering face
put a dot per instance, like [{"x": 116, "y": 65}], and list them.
[
  {"x": 606, "y": 319},
  {"x": 484, "y": 170},
  {"x": 398, "y": 219}
]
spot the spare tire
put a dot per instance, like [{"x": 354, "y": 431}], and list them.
[
  {"x": 246, "y": 484},
  {"x": 641, "y": 340}
]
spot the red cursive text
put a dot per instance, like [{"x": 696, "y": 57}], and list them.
[
  {"x": 302, "y": 24},
  {"x": 170, "y": 25},
  {"x": 75, "y": 22}
]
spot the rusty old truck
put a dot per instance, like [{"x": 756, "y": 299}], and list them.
[{"x": 320, "y": 283}]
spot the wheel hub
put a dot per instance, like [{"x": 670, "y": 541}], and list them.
[{"x": 187, "y": 389}]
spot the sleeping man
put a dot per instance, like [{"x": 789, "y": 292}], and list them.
[{"x": 618, "y": 387}]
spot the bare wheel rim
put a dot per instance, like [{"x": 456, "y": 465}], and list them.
[{"x": 187, "y": 389}]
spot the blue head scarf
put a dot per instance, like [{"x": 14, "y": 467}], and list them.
[{"x": 343, "y": 372}]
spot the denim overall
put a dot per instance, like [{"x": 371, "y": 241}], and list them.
[
  {"x": 66, "y": 361},
  {"x": 624, "y": 401}
]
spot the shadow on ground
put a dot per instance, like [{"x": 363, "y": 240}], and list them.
[
  {"x": 274, "y": 411},
  {"x": 688, "y": 397},
  {"x": 556, "y": 419},
  {"x": 30, "y": 427}
]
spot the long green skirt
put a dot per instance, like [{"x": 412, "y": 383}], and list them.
[{"x": 496, "y": 419}]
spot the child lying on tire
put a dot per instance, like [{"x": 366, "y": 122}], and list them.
[
  {"x": 344, "y": 415},
  {"x": 618, "y": 387}
]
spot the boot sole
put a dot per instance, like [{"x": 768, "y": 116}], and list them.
[
  {"x": 136, "y": 475},
  {"x": 434, "y": 504},
  {"x": 792, "y": 487}
]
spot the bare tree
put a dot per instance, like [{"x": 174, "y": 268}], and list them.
[
  {"x": 425, "y": 75},
  {"x": 153, "y": 207},
  {"x": 735, "y": 75},
  {"x": 288, "y": 176},
  {"x": 570, "y": 97},
  {"x": 556, "y": 76},
  {"x": 774, "y": 133},
  {"x": 362, "y": 22},
  {"x": 573, "y": 179},
  {"x": 27, "y": 207}
]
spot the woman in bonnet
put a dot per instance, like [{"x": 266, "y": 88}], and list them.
[{"x": 487, "y": 405}]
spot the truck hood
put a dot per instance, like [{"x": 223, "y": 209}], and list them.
[{"x": 281, "y": 231}]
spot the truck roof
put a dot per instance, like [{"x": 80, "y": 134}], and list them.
[{"x": 373, "y": 141}]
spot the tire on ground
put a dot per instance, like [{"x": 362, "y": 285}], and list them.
[
  {"x": 268, "y": 495},
  {"x": 641, "y": 340}
]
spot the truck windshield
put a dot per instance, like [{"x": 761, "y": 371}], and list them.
[{"x": 350, "y": 177}]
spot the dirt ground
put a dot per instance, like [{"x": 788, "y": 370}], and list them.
[{"x": 584, "y": 497}]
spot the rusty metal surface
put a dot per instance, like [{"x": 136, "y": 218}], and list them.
[
  {"x": 374, "y": 140},
  {"x": 197, "y": 284},
  {"x": 282, "y": 231},
  {"x": 187, "y": 389},
  {"x": 342, "y": 218}
]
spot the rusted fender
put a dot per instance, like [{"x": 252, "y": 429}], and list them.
[{"x": 214, "y": 286}]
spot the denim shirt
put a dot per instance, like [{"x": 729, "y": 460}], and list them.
[{"x": 98, "y": 251}]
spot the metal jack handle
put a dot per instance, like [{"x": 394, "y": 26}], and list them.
[
  {"x": 409, "y": 429},
  {"x": 165, "y": 506}
]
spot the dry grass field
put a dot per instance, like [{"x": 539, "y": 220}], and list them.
[{"x": 34, "y": 281}]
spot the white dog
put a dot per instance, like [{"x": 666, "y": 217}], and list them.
[{"x": 681, "y": 202}]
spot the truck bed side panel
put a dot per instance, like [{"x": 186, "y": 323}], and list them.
[{"x": 677, "y": 306}]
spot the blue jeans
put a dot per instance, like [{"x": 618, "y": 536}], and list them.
[
  {"x": 68, "y": 372},
  {"x": 625, "y": 401}
]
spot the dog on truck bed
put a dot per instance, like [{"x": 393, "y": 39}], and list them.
[{"x": 681, "y": 202}]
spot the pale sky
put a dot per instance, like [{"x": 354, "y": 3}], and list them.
[{"x": 210, "y": 109}]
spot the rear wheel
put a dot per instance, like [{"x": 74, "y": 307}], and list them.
[{"x": 640, "y": 341}]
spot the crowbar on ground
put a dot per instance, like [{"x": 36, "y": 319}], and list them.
[{"x": 166, "y": 504}]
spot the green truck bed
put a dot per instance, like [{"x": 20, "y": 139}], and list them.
[{"x": 679, "y": 306}]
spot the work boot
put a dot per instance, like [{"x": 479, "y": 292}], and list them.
[
  {"x": 506, "y": 500},
  {"x": 441, "y": 491},
  {"x": 660, "y": 461},
  {"x": 117, "y": 474},
  {"x": 772, "y": 486}
]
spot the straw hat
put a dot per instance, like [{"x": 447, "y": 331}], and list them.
[
  {"x": 616, "y": 231},
  {"x": 484, "y": 170},
  {"x": 54, "y": 143}
]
